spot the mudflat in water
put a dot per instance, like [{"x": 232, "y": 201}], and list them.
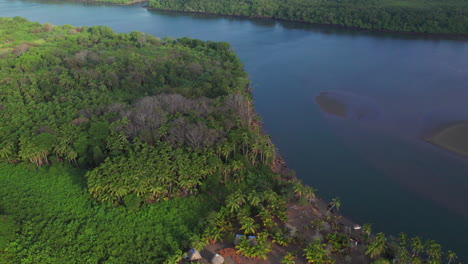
[
  {"x": 453, "y": 137},
  {"x": 396, "y": 89},
  {"x": 331, "y": 105}
]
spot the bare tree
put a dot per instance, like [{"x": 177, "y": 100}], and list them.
[
  {"x": 240, "y": 105},
  {"x": 20, "y": 49}
]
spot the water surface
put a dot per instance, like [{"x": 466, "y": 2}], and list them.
[{"x": 395, "y": 87}]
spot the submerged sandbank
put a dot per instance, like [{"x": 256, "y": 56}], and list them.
[
  {"x": 452, "y": 137},
  {"x": 331, "y": 105},
  {"x": 348, "y": 105}
]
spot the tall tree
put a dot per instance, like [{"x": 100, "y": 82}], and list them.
[{"x": 378, "y": 246}]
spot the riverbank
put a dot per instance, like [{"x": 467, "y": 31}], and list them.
[
  {"x": 273, "y": 18},
  {"x": 337, "y": 26},
  {"x": 109, "y": 2},
  {"x": 451, "y": 137}
]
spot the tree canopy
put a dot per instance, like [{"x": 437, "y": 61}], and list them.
[
  {"x": 426, "y": 16},
  {"x": 127, "y": 148},
  {"x": 98, "y": 124}
]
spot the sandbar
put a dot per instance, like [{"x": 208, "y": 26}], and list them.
[{"x": 452, "y": 137}]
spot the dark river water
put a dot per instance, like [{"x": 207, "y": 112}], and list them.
[{"x": 395, "y": 88}]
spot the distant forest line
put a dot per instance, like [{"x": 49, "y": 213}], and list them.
[{"x": 424, "y": 16}]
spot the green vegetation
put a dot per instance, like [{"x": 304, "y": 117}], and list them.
[
  {"x": 60, "y": 223},
  {"x": 315, "y": 252},
  {"x": 145, "y": 122},
  {"x": 126, "y": 148},
  {"x": 107, "y": 138},
  {"x": 427, "y": 16}
]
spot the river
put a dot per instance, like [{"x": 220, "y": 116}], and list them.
[{"x": 396, "y": 87}]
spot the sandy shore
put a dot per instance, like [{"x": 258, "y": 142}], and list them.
[{"x": 452, "y": 137}]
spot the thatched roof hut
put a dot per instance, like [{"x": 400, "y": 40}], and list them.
[
  {"x": 217, "y": 259},
  {"x": 193, "y": 255}
]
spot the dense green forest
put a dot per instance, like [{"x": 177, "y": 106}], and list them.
[
  {"x": 427, "y": 16},
  {"x": 127, "y": 148}
]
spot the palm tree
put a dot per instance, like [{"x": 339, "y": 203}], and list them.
[
  {"x": 267, "y": 218},
  {"x": 309, "y": 193},
  {"x": 336, "y": 202},
  {"x": 416, "y": 260},
  {"x": 403, "y": 238},
  {"x": 367, "y": 230},
  {"x": 289, "y": 258},
  {"x": 254, "y": 199},
  {"x": 377, "y": 247},
  {"x": 198, "y": 243},
  {"x": 235, "y": 201},
  {"x": 232, "y": 205},
  {"x": 403, "y": 255},
  {"x": 316, "y": 253},
  {"x": 236, "y": 165},
  {"x": 248, "y": 225},
  {"x": 434, "y": 251},
  {"x": 417, "y": 246},
  {"x": 298, "y": 189},
  {"x": 451, "y": 256},
  {"x": 213, "y": 234},
  {"x": 7, "y": 151}
]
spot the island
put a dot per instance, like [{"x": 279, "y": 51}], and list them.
[{"x": 127, "y": 148}]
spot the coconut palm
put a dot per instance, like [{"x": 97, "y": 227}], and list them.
[
  {"x": 289, "y": 258},
  {"x": 315, "y": 252},
  {"x": 367, "y": 230},
  {"x": 417, "y": 246},
  {"x": 256, "y": 251},
  {"x": 416, "y": 260},
  {"x": 434, "y": 252},
  {"x": 298, "y": 189},
  {"x": 198, "y": 243},
  {"x": 213, "y": 234},
  {"x": 232, "y": 204},
  {"x": 236, "y": 165},
  {"x": 248, "y": 225},
  {"x": 235, "y": 201},
  {"x": 336, "y": 202},
  {"x": 7, "y": 151},
  {"x": 267, "y": 218},
  {"x": 403, "y": 239},
  {"x": 309, "y": 193},
  {"x": 254, "y": 199},
  {"x": 317, "y": 224},
  {"x": 280, "y": 239},
  {"x": 378, "y": 246},
  {"x": 402, "y": 250},
  {"x": 451, "y": 256}
]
